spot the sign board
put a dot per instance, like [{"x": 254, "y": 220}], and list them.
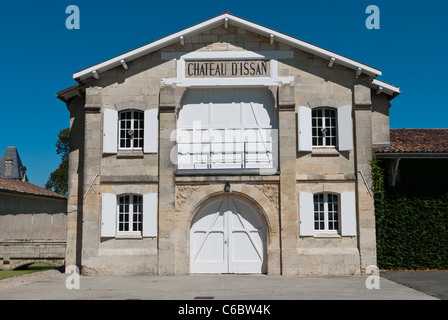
[{"x": 227, "y": 69}]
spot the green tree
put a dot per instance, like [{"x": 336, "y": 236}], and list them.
[{"x": 58, "y": 181}]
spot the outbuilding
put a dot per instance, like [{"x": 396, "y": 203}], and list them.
[{"x": 32, "y": 219}]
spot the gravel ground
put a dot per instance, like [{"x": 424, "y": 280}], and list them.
[{"x": 27, "y": 278}]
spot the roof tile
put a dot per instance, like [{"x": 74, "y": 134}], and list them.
[
  {"x": 11, "y": 185},
  {"x": 416, "y": 141}
]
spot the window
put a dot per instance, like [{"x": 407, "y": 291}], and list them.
[
  {"x": 8, "y": 167},
  {"x": 324, "y": 127},
  {"x": 130, "y": 213},
  {"x": 131, "y": 130},
  {"x": 326, "y": 212}
]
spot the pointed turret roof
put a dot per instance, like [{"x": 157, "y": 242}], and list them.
[{"x": 11, "y": 166}]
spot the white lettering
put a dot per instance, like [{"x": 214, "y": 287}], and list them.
[
  {"x": 72, "y": 281},
  {"x": 373, "y": 21},
  {"x": 195, "y": 310},
  {"x": 72, "y": 21},
  {"x": 373, "y": 281}
]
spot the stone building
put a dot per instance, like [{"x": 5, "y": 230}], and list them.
[
  {"x": 32, "y": 219},
  {"x": 227, "y": 147}
]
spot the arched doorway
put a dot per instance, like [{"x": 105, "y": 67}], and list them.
[{"x": 228, "y": 235}]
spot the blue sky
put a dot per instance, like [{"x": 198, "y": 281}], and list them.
[{"x": 39, "y": 55}]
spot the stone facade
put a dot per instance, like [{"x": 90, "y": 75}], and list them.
[{"x": 142, "y": 85}]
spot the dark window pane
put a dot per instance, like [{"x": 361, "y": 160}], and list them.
[{"x": 320, "y": 142}]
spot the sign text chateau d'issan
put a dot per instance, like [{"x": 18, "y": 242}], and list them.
[{"x": 227, "y": 69}]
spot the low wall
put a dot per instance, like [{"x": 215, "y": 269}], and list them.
[{"x": 14, "y": 254}]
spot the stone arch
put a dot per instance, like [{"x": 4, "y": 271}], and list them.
[
  {"x": 190, "y": 198},
  {"x": 129, "y": 189},
  {"x": 256, "y": 93},
  {"x": 233, "y": 239},
  {"x": 15, "y": 264},
  {"x": 252, "y": 201},
  {"x": 131, "y": 105},
  {"x": 336, "y": 188},
  {"x": 322, "y": 103},
  {"x": 263, "y": 196}
]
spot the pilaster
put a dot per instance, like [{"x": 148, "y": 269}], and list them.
[
  {"x": 91, "y": 207},
  {"x": 363, "y": 154},
  {"x": 75, "y": 187},
  {"x": 288, "y": 196},
  {"x": 167, "y": 192}
]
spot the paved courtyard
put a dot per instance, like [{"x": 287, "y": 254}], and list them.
[
  {"x": 212, "y": 287},
  {"x": 434, "y": 283}
]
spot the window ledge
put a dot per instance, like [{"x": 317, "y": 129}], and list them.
[
  {"x": 227, "y": 172},
  {"x": 130, "y": 154},
  {"x": 325, "y": 152},
  {"x": 327, "y": 235},
  {"x": 129, "y": 236}
]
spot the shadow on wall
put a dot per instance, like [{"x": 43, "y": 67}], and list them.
[{"x": 32, "y": 218}]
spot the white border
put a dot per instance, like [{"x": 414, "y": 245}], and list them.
[{"x": 182, "y": 81}]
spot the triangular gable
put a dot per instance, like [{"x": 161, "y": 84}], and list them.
[{"x": 225, "y": 19}]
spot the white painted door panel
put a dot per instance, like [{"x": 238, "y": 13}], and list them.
[
  {"x": 227, "y": 236},
  {"x": 208, "y": 253},
  {"x": 245, "y": 238},
  {"x": 233, "y": 119}
]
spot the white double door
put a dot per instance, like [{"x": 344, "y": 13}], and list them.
[{"x": 227, "y": 236}]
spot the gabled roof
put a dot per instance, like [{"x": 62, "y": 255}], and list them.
[
  {"x": 229, "y": 19},
  {"x": 415, "y": 143},
  {"x": 25, "y": 188}
]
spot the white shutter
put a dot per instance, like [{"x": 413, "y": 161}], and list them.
[
  {"x": 304, "y": 129},
  {"x": 150, "y": 215},
  {"x": 345, "y": 128},
  {"x": 348, "y": 214},
  {"x": 108, "y": 215},
  {"x": 110, "y": 131},
  {"x": 151, "y": 131},
  {"x": 306, "y": 214}
]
